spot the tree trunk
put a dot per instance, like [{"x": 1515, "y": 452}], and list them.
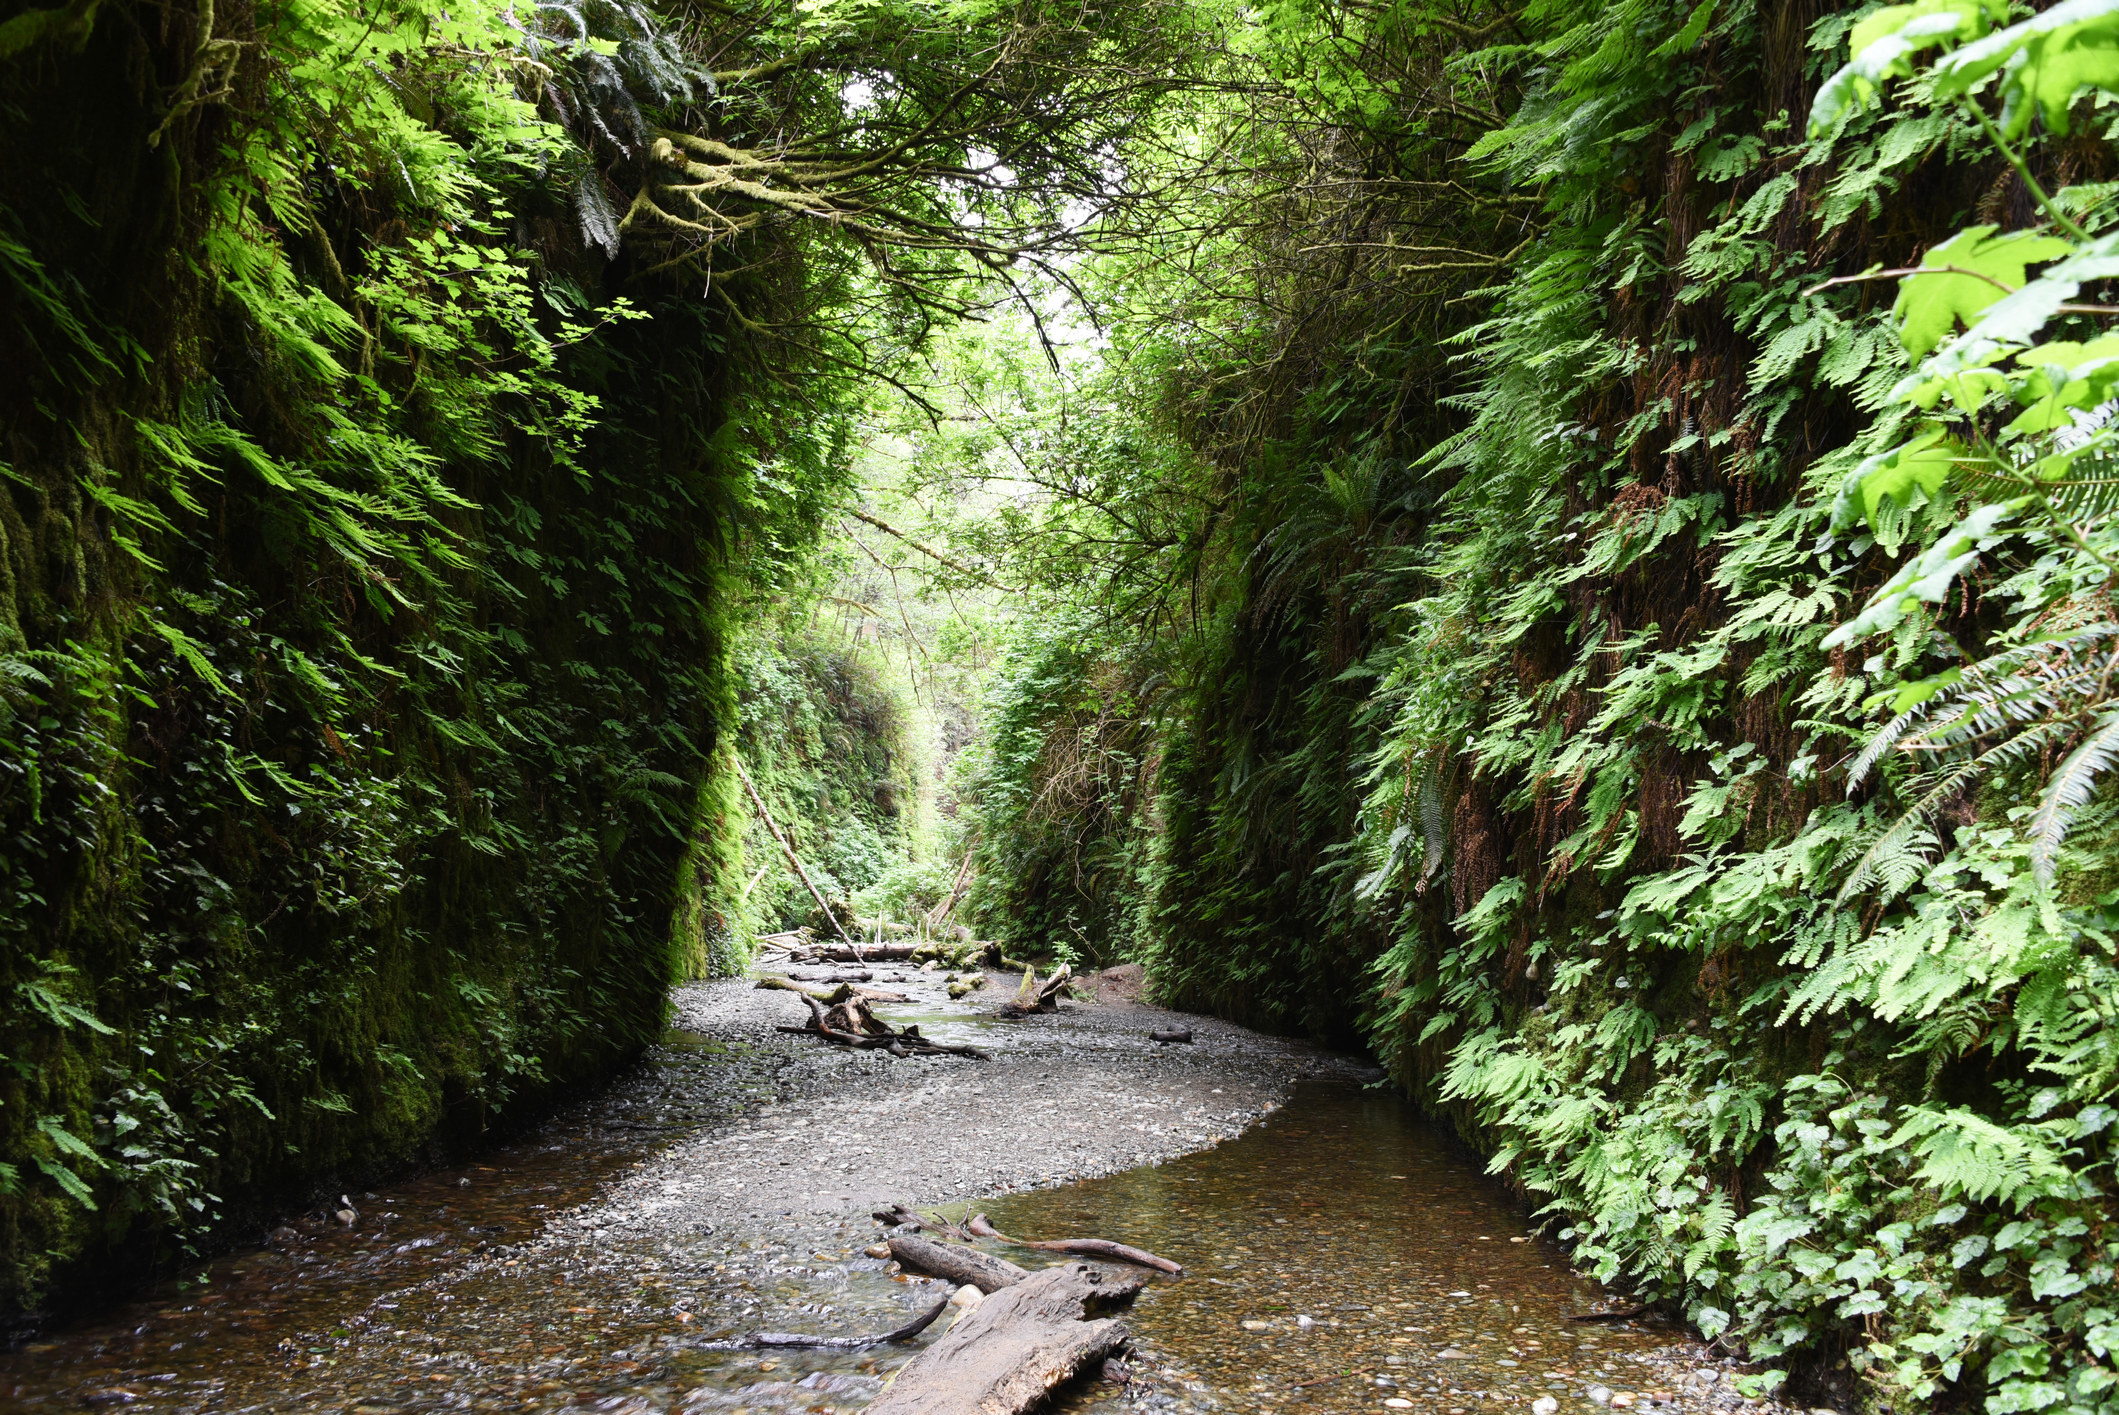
[{"x": 800, "y": 873}]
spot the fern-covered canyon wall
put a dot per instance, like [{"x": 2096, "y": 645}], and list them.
[
  {"x": 421, "y": 427},
  {"x": 365, "y": 605},
  {"x": 1511, "y": 485}
]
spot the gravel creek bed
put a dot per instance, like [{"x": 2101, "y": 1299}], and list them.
[{"x": 1340, "y": 1254}]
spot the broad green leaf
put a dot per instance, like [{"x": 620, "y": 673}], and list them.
[
  {"x": 2017, "y": 318},
  {"x": 1929, "y": 306},
  {"x": 2044, "y": 62},
  {"x": 1924, "y": 462},
  {"x": 1912, "y": 695},
  {"x": 1929, "y": 576},
  {"x": 2065, "y": 376},
  {"x": 1883, "y": 45},
  {"x": 1963, "y": 372}
]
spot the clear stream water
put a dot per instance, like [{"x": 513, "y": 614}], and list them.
[{"x": 1339, "y": 1255}]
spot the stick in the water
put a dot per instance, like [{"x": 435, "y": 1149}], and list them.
[
  {"x": 844, "y": 1343},
  {"x": 1080, "y": 1247}
]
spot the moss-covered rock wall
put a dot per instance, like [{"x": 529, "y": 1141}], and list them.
[{"x": 363, "y": 646}]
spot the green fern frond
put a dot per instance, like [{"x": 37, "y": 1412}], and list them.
[{"x": 2069, "y": 790}]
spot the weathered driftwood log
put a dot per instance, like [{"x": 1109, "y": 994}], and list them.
[
  {"x": 870, "y": 953},
  {"x": 833, "y": 1343},
  {"x": 1007, "y": 1354},
  {"x": 844, "y": 992},
  {"x": 847, "y": 1022},
  {"x": 1105, "y": 1248},
  {"x": 960, "y": 1265},
  {"x": 1034, "y": 996},
  {"x": 978, "y": 1227}
]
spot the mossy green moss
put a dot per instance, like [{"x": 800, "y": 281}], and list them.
[{"x": 359, "y": 691}]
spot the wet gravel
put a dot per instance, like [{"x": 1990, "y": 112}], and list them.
[
  {"x": 1065, "y": 1096},
  {"x": 1341, "y": 1255}
]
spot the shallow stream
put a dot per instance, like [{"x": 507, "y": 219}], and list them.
[{"x": 1339, "y": 1256}]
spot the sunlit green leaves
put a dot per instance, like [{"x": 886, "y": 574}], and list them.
[
  {"x": 1884, "y": 44},
  {"x": 1928, "y": 576},
  {"x": 1975, "y": 269},
  {"x": 2044, "y": 63},
  {"x": 1922, "y": 463}
]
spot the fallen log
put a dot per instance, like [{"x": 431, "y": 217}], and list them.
[
  {"x": 1009, "y": 1353},
  {"x": 1034, "y": 996},
  {"x": 831, "y": 1343},
  {"x": 1626, "y": 1315},
  {"x": 869, "y": 953},
  {"x": 1166, "y": 1035},
  {"x": 847, "y": 1022},
  {"x": 978, "y": 1227},
  {"x": 845, "y": 992},
  {"x": 960, "y": 1265},
  {"x": 1105, "y": 1248}
]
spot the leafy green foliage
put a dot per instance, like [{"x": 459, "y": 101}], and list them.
[{"x": 1686, "y": 757}]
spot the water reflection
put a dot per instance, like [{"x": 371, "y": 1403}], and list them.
[{"x": 1340, "y": 1255}]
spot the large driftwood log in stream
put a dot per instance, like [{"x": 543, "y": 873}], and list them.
[
  {"x": 841, "y": 953},
  {"x": 1105, "y": 1248},
  {"x": 1080, "y": 1247},
  {"x": 1007, "y": 1354},
  {"x": 960, "y": 1265},
  {"x": 799, "y": 950},
  {"x": 842, "y": 993}
]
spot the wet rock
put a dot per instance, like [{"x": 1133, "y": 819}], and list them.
[
  {"x": 1544, "y": 1405},
  {"x": 112, "y": 1395},
  {"x": 1600, "y": 1394}
]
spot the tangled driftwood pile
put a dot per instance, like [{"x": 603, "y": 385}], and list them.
[{"x": 847, "y": 1022}]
